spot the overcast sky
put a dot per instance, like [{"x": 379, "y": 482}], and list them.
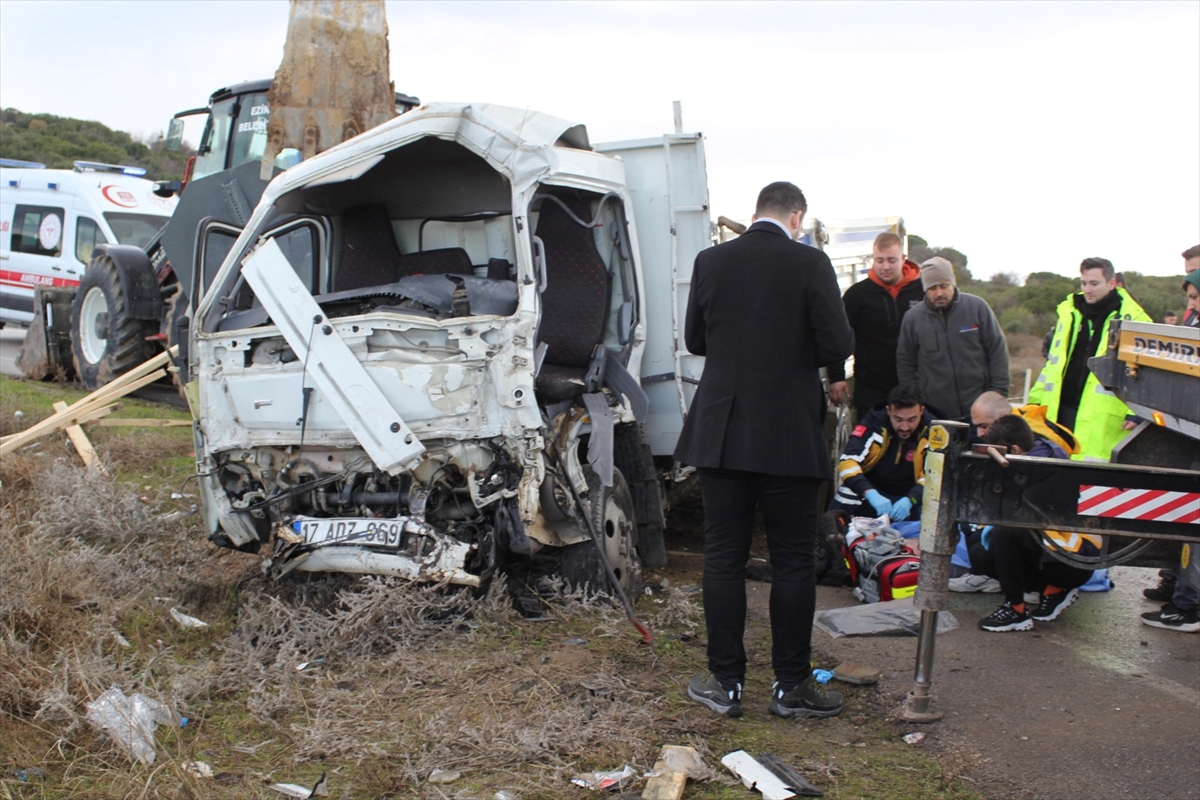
[{"x": 1027, "y": 135}]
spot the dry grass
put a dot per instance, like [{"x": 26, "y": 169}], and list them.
[
  {"x": 449, "y": 679},
  {"x": 397, "y": 679}
]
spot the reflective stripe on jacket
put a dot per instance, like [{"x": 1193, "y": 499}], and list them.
[
  {"x": 862, "y": 465},
  {"x": 1098, "y": 425}
]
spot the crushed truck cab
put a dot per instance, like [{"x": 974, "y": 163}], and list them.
[{"x": 422, "y": 355}]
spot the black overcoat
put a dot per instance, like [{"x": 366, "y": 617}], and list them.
[{"x": 766, "y": 314}]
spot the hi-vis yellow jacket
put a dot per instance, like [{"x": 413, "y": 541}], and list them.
[{"x": 1098, "y": 426}]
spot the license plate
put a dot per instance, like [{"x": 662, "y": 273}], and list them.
[{"x": 379, "y": 532}]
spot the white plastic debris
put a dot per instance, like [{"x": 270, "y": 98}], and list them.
[
  {"x": 597, "y": 781},
  {"x": 755, "y": 776},
  {"x": 440, "y": 775},
  {"x": 319, "y": 789},
  {"x": 186, "y": 621},
  {"x": 131, "y": 721},
  {"x": 198, "y": 769},
  {"x": 913, "y": 738}
]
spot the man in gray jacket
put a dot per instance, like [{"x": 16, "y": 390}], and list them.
[{"x": 951, "y": 346}]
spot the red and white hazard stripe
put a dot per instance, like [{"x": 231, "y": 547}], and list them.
[{"x": 1144, "y": 504}]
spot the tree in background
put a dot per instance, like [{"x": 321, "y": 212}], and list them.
[
  {"x": 920, "y": 251},
  {"x": 58, "y": 142}
]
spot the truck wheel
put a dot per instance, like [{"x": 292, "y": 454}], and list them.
[
  {"x": 104, "y": 342},
  {"x": 636, "y": 463},
  {"x": 612, "y": 514}
]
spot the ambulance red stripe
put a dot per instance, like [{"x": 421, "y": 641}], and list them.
[{"x": 27, "y": 280}]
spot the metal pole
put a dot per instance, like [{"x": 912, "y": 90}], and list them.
[
  {"x": 677, "y": 107},
  {"x": 937, "y": 545}
]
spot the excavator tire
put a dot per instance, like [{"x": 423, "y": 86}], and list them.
[{"x": 105, "y": 342}]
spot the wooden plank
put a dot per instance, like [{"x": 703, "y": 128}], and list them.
[
  {"x": 126, "y": 422},
  {"x": 79, "y": 411},
  {"x": 119, "y": 388},
  {"x": 44, "y": 428},
  {"x": 76, "y": 413},
  {"x": 83, "y": 445},
  {"x": 666, "y": 785}
]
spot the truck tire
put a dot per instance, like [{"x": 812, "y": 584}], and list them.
[
  {"x": 613, "y": 517},
  {"x": 105, "y": 342},
  {"x": 633, "y": 457}
]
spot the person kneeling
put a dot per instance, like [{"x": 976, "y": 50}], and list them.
[
  {"x": 1016, "y": 558},
  {"x": 882, "y": 469}
]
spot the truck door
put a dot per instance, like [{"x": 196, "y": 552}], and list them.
[{"x": 668, "y": 185}]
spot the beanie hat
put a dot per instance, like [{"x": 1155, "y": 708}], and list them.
[
  {"x": 1193, "y": 278},
  {"x": 937, "y": 270}
]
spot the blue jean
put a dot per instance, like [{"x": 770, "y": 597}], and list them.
[
  {"x": 789, "y": 510},
  {"x": 1187, "y": 582}
]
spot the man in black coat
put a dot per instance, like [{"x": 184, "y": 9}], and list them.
[{"x": 766, "y": 313}]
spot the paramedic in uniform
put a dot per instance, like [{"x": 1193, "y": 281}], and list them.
[
  {"x": 882, "y": 469},
  {"x": 766, "y": 313}
]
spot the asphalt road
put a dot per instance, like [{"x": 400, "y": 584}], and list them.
[
  {"x": 1092, "y": 705},
  {"x": 11, "y": 338}
]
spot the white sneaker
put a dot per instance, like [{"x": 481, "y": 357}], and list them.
[{"x": 974, "y": 583}]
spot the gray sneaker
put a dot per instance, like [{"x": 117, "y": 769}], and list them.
[
  {"x": 974, "y": 583},
  {"x": 710, "y": 692},
  {"x": 809, "y": 699}
]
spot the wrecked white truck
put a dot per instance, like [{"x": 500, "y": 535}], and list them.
[{"x": 450, "y": 344}]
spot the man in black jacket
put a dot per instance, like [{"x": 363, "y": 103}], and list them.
[
  {"x": 875, "y": 307},
  {"x": 766, "y": 314}
]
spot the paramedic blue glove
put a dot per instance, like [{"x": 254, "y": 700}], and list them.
[
  {"x": 878, "y": 502},
  {"x": 985, "y": 535},
  {"x": 901, "y": 509}
]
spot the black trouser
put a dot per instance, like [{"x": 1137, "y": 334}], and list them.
[
  {"x": 789, "y": 509},
  {"x": 1014, "y": 558}
]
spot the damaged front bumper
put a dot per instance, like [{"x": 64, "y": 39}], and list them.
[{"x": 402, "y": 547}]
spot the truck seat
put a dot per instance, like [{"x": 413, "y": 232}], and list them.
[
  {"x": 575, "y": 302},
  {"x": 446, "y": 261},
  {"x": 370, "y": 255}
]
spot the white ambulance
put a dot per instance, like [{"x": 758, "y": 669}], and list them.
[{"x": 52, "y": 219}]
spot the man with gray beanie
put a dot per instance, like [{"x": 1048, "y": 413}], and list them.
[{"x": 951, "y": 346}]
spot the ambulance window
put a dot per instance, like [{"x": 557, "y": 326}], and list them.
[
  {"x": 37, "y": 230},
  {"x": 135, "y": 229},
  {"x": 87, "y": 236}
]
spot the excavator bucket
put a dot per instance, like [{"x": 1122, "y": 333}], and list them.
[
  {"x": 333, "y": 82},
  {"x": 46, "y": 351}
]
